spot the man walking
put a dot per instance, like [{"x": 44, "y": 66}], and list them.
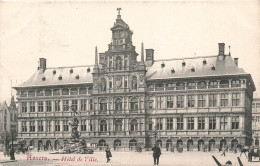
[
  {"x": 224, "y": 151},
  {"x": 156, "y": 154}
]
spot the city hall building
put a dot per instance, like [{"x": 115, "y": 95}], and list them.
[{"x": 193, "y": 103}]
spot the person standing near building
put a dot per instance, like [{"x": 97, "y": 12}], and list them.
[
  {"x": 108, "y": 153},
  {"x": 156, "y": 154},
  {"x": 223, "y": 151}
]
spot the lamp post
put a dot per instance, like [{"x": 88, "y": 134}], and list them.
[{"x": 12, "y": 150}]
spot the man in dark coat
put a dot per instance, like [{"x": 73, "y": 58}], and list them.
[
  {"x": 156, "y": 154},
  {"x": 108, "y": 153}
]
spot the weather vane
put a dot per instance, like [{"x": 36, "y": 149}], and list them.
[{"x": 118, "y": 9}]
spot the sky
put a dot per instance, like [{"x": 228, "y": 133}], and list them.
[{"x": 66, "y": 33}]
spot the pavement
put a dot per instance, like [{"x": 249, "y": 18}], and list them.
[{"x": 192, "y": 158}]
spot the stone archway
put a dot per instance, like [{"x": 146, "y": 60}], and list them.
[
  {"x": 223, "y": 144},
  {"x": 168, "y": 145},
  {"x": 132, "y": 144},
  {"x": 102, "y": 144},
  {"x": 200, "y": 145},
  {"x": 117, "y": 144},
  {"x": 40, "y": 145},
  {"x": 48, "y": 145},
  {"x": 212, "y": 145},
  {"x": 56, "y": 144},
  {"x": 190, "y": 145}
]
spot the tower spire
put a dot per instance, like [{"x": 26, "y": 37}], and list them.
[
  {"x": 142, "y": 52},
  {"x": 96, "y": 57}
]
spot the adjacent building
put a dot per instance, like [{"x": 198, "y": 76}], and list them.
[
  {"x": 256, "y": 121},
  {"x": 193, "y": 103}
]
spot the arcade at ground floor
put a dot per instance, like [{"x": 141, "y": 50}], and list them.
[{"x": 146, "y": 142}]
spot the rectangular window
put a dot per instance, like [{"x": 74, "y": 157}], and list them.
[
  {"x": 150, "y": 124},
  {"x": 40, "y": 126},
  {"x": 24, "y": 107},
  {"x": 169, "y": 124},
  {"x": 90, "y": 125},
  {"x": 212, "y": 100},
  {"x": 235, "y": 122},
  {"x": 224, "y": 100},
  {"x": 169, "y": 101},
  {"x": 191, "y": 101},
  {"x": 180, "y": 123},
  {"x": 57, "y": 125},
  {"x": 159, "y": 124},
  {"x": 213, "y": 84},
  {"x": 65, "y": 105},
  {"x": 32, "y": 106},
  {"x": 180, "y": 101},
  {"x": 235, "y": 83},
  {"x": 223, "y": 123},
  {"x": 159, "y": 102},
  {"x": 212, "y": 123},
  {"x": 74, "y": 105},
  {"x": 49, "y": 126},
  {"x": 57, "y": 105},
  {"x": 24, "y": 126},
  {"x": 235, "y": 99},
  {"x": 190, "y": 123},
  {"x": 40, "y": 106},
  {"x": 65, "y": 125},
  {"x": 32, "y": 126},
  {"x": 48, "y": 106},
  {"x": 83, "y": 125},
  {"x": 83, "y": 105},
  {"x": 90, "y": 104},
  {"x": 201, "y": 101},
  {"x": 201, "y": 123}
]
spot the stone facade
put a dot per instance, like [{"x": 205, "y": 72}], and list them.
[
  {"x": 192, "y": 102},
  {"x": 256, "y": 121}
]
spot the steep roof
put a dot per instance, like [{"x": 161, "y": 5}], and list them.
[
  {"x": 162, "y": 69},
  {"x": 52, "y": 75}
]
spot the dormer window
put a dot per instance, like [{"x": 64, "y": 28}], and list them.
[
  {"x": 77, "y": 77},
  {"x": 162, "y": 65},
  {"x": 60, "y": 77},
  {"x": 204, "y": 62},
  {"x": 43, "y": 78},
  {"x": 54, "y": 71},
  {"x": 192, "y": 69},
  {"x": 183, "y": 63},
  {"x": 173, "y": 71},
  {"x": 71, "y": 70},
  {"x": 213, "y": 68},
  {"x": 88, "y": 70}
]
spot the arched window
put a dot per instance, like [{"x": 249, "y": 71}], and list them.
[
  {"x": 118, "y": 104},
  {"x": 118, "y": 125},
  {"x": 134, "y": 125},
  {"x": 101, "y": 143},
  {"x": 103, "y": 126},
  {"x": 134, "y": 104},
  {"x": 103, "y": 85},
  {"x": 103, "y": 105},
  {"x": 134, "y": 82},
  {"x": 118, "y": 63}
]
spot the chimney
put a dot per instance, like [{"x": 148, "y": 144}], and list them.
[
  {"x": 221, "y": 48},
  {"x": 42, "y": 64},
  {"x": 236, "y": 61},
  {"x": 149, "y": 57}
]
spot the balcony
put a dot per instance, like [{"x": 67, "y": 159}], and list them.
[
  {"x": 102, "y": 112},
  {"x": 223, "y": 85},
  {"x": 133, "y": 111}
]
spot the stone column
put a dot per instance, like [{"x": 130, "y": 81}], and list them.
[
  {"x": 229, "y": 99},
  {"x": 28, "y": 106},
  {"x": 44, "y": 125},
  {"x": 164, "y": 124},
  {"x": 28, "y": 126},
  {"x": 61, "y": 105},
  {"x": 53, "y": 106},
  {"x": 206, "y": 123},
  {"x": 195, "y": 123},
  {"x": 36, "y": 126},
  {"x": 185, "y": 123},
  {"x": 53, "y": 126},
  {"x": 19, "y": 126},
  {"x": 242, "y": 99},
  {"x": 241, "y": 122},
  {"x": 207, "y": 100},
  {"x": 217, "y": 123},
  {"x": 19, "y": 108},
  {"x": 79, "y": 105},
  {"x": 174, "y": 121},
  {"x": 185, "y": 101},
  {"x": 61, "y": 126},
  {"x": 174, "y": 101},
  {"x": 218, "y": 100},
  {"x": 229, "y": 123},
  {"x": 44, "y": 106}
]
